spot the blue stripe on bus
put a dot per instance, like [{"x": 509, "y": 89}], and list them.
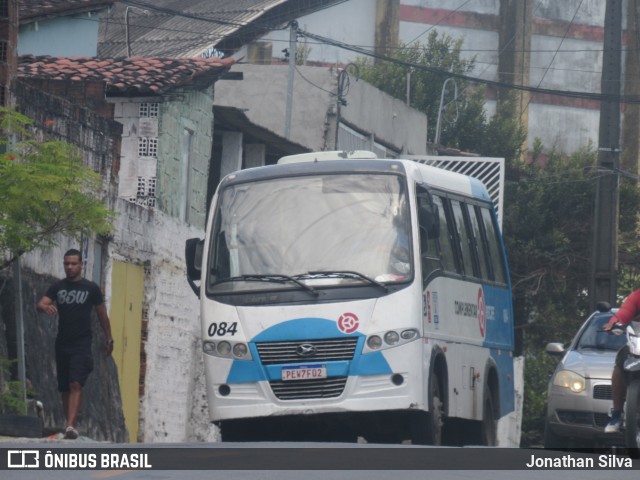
[
  {"x": 243, "y": 371},
  {"x": 499, "y": 339},
  {"x": 504, "y": 362},
  {"x": 499, "y": 329}
]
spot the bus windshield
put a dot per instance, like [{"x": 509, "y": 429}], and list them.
[{"x": 309, "y": 232}]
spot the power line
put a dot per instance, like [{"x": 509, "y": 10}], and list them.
[
  {"x": 438, "y": 22},
  {"x": 566, "y": 32},
  {"x": 629, "y": 99},
  {"x": 400, "y": 48}
]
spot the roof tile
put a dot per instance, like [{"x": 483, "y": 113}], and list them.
[{"x": 127, "y": 75}]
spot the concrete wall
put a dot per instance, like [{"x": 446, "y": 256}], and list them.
[
  {"x": 170, "y": 410},
  {"x": 191, "y": 111},
  {"x": 262, "y": 94},
  {"x": 175, "y": 183},
  {"x": 392, "y": 122},
  {"x": 566, "y": 52},
  {"x": 75, "y": 35}
]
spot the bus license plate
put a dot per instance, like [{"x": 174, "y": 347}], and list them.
[{"x": 304, "y": 372}]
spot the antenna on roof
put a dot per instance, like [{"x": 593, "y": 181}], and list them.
[{"x": 126, "y": 25}]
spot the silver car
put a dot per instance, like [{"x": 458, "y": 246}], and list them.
[{"x": 579, "y": 395}]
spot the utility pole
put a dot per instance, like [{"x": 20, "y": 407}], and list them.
[
  {"x": 293, "y": 35},
  {"x": 605, "y": 237}
]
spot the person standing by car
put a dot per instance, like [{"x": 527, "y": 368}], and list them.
[
  {"x": 73, "y": 299},
  {"x": 627, "y": 312}
]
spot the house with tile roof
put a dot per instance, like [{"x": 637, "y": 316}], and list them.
[{"x": 158, "y": 184}]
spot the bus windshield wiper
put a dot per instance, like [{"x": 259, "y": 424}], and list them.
[
  {"x": 344, "y": 274},
  {"x": 277, "y": 278}
]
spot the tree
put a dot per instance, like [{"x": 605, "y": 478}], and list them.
[
  {"x": 548, "y": 228},
  {"x": 464, "y": 122},
  {"x": 45, "y": 190}
]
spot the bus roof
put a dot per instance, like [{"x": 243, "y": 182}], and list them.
[
  {"x": 331, "y": 155},
  {"x": 429, "y": 175}
]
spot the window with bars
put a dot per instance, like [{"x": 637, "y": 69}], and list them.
[
  {"x": 4, "y": 48},
  {"x": 4, "y": 8},
  {"x": 149, "y": 109}
]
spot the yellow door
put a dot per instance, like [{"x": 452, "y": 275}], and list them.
[{"x": 127, "y": 282}]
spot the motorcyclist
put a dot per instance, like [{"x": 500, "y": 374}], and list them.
[{"x": 628, "y": 311}]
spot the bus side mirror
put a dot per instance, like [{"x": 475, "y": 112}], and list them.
[
  {"x": 428, "y": 215},
  {"x": 193, "y": 255}
]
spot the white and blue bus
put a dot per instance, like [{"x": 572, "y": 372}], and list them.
[{"x": 345, "y": 298}]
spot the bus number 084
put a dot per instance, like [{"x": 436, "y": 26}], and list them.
[{"x": 223, "y": 328}]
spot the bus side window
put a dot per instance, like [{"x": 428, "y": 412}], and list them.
[
  {"x": 445, "y": 240},
  {"x": 478, "y": 244},
  {"x": 429, "y": 226},
  {"x": 464, "y": 239},
  {"x": 494, "y": 247}
]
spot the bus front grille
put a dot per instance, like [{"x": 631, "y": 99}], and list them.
[
  {"x": 305, "y": 389},
  {"x": 326, "y": 350}
]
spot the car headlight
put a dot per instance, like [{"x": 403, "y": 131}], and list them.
[{"x": 571, "y": 380}]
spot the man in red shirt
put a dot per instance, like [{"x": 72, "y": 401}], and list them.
[{"x": 628, "y": 311}]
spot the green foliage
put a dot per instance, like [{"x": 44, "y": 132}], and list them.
[
  {"x": 464, "y": 122},
  {"x": 548, "y": 227},
  {"x": 539, "y": 366},
  {"x": 45, "y": 190},
  {"x": 439, "y": 52},
  {"x": 11, "y": 391}
]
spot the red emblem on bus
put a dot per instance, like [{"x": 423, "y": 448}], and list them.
[
  {"x": 482, "y": 312},
  {"x": 348, "y": 323}
]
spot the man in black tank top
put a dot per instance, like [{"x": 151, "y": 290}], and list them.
[{"x": 72, "y": 299}]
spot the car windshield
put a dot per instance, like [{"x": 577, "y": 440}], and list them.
[
  {"x": 311, "y": 231},
  {"x": 593, "y": 337}
]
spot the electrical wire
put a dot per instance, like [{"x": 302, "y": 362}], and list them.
[
  {"x": 566, "y": 32},
  {"x": 431, "y": 27},
  {"x": 629, "y": 99}
]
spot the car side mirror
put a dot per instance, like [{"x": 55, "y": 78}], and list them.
[
  {"x": 555, "y": 348},
  {"x": 193, "y": 255}
]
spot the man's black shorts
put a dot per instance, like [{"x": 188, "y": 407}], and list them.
[{"x": 73, "y": 365}]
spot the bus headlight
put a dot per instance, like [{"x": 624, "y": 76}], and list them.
[
  {"x": 389, "y": 339},
  {"x": 209, "y": 348},
  {"x": 409, "y": 334},
  {"x": 374, "y": 342},
  {"x": 570, "y": 380},
  {"x": 226, "y": 349},
  {"x": 240, "y": 350}
]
